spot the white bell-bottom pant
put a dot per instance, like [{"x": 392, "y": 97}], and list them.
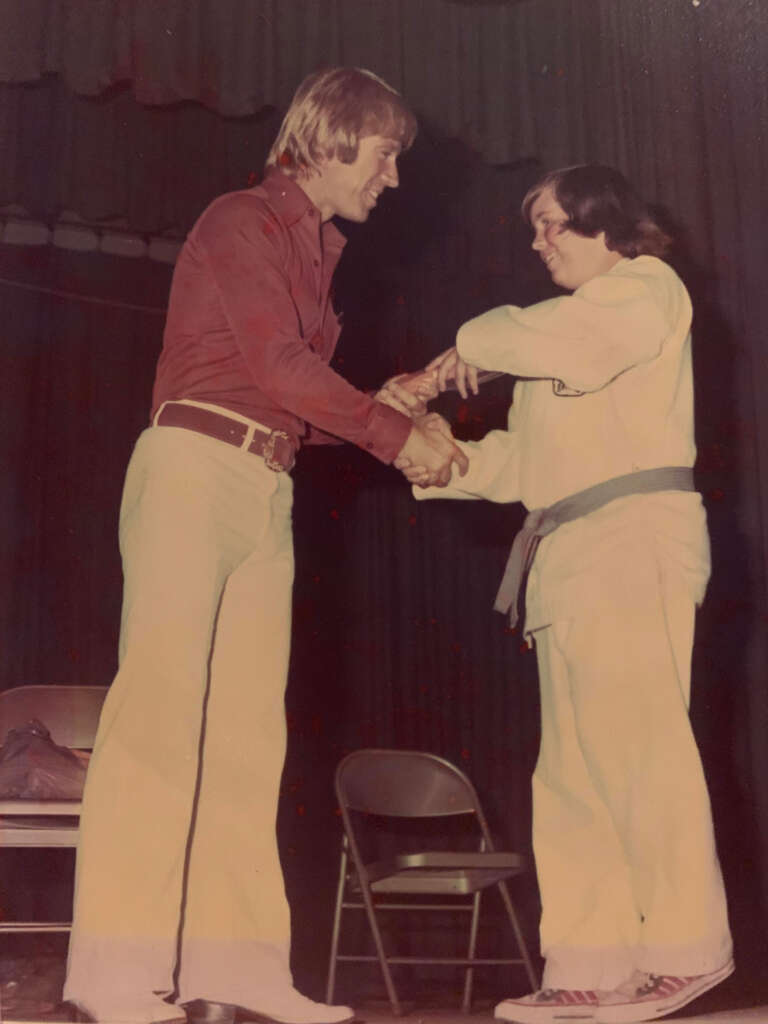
[
  {"x": 178, "y": 823},
  {"x": 623, "y": 839}
]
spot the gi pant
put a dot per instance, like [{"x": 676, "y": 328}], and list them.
[
  {"x": 623, "y": 837},
  {"x": 174, "y": 816}
]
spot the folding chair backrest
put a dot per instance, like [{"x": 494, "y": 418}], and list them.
[
  {"x": 405, "y": 784},
  {"x": 381, "y": 867},
  {"x": 70, "y": 713}
]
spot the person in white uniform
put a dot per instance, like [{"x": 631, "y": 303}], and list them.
[{"x": 600, "y": 445}]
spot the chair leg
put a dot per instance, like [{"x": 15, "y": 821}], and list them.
[
  {"x": 370, "y": 910},
  {"x": 330, "y": 987},
  {"x": 466, "y": 1003},
  {"x": 521, "y": 943}
]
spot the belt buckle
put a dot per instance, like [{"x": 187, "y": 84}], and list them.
[{"x": 268, "y": 452}]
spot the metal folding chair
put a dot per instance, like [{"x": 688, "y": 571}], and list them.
[
  {"x": 404, "y": 784},
  {"x": 71, "y": 714}
]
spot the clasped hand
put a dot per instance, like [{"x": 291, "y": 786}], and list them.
[{"x": 428, "y": 455}]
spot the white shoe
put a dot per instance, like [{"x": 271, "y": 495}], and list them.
[
  {"x": 150, "y": 1011},
  {"x": 550, "y": 1006},
  {"x": 291, "y": 1007},
  {"x": 646, "y": 997}
]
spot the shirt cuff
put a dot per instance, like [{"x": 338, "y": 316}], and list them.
[{"x": 386, "y": 432}]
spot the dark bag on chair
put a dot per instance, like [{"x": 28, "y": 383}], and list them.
[{"x": 33, "y": 767}]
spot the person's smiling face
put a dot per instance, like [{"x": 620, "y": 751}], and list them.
[
  {"x": 352, "y": 190},
  {"x": 571, "y": 259}
]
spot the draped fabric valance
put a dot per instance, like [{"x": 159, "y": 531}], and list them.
[
  {"x": 146, "y": 109},
  {"x": 505, "y": 76},
  {"x": 239, "y": 56}
]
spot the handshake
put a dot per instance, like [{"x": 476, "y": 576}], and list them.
[{"x": 429, "y": 453}]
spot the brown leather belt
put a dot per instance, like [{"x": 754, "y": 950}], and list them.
[{"x": 275, "y": 446}]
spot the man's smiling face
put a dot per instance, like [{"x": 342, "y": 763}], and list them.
[{"x": 352, "y": 190}]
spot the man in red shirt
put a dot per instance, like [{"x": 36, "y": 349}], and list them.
[{"x": 179, "y": 896}]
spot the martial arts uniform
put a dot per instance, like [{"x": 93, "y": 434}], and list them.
[{"x": 622, "y": 829}]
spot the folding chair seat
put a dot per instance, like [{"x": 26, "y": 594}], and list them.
[
  {"x": 71, "y": 714},
  {"x": 377, "y": 786}
]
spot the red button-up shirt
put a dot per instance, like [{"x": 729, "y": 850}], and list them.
[{"x": 251, "y": 326}]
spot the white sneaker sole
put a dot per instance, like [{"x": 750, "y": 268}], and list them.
[
  {"x": 635, "y": 1012},
  {"x": 514, "y": 1013}
]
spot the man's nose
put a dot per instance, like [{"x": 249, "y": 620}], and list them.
[
  {"x": 538, "y": 242},
  {"x": 391, "y": 177}
]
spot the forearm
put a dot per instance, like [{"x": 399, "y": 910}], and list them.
[
  {"x": 585, "y": 340},
  {"x": 336, "y": 411}
]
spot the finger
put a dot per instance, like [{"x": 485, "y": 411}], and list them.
[
  {"x": 435, "y": 422},
  {"x": 402, "y": 401},
  {"x": 386, "y": 397},
  {"x": 473, "y": 382},
  {"x": 446, "y": 370},
  {"x": 418, "y": 475},
  {"x": 403, "y": 395},
  {"x": 435, "y": 363},
  {"x": 422, "y": 383},
  {"x": 460, "y": 375},
  {"x": 412, "y": 471},
  {"x": 462, "y": 462},
  {"x": 426, "y": 386}
]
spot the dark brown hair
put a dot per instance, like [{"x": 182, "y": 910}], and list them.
[{"x": 597, "y": 198}]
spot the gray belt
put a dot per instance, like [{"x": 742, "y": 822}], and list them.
[{"x": 541, "y": 521}]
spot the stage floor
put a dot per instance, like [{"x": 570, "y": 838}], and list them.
[
  {"x": 376, "y": 1015},
  {"x": 31, "y": 983},
  {"x": 755, "y": 1015}
]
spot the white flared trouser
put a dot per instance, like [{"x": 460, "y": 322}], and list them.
[
  {"x": 623, "y": 837},
  {"x": 180, "y": 806}
]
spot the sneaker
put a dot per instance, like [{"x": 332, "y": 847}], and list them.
[
  {"x": 646, "y": 997},
  {"x": 549, "y": 1006}
]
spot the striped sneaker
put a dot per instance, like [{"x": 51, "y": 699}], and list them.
[
  {"x": 646, "y": 997},
  {"x": 550, "y": 1006}
]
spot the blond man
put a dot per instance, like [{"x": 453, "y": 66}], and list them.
[{"x": 180, "y": 905}]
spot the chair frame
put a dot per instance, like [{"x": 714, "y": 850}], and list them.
[
  {"x": 446, "y": 873},
  {"x": 71, "y": 715}
]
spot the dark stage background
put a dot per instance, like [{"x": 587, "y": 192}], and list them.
[{"x": 136, "y": 114}]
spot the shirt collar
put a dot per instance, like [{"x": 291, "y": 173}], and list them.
[{"x": 293, "y": 203}]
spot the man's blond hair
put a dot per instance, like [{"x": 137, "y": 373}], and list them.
[{"x": 330, "y": 112}]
